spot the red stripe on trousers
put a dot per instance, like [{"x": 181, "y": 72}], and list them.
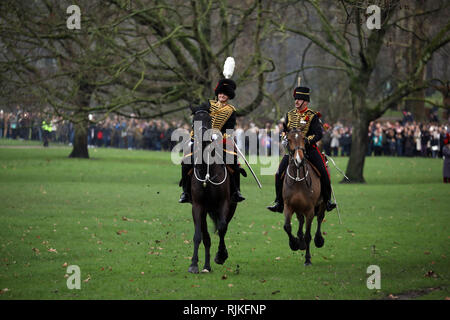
[{"x": 323, "y": 160}]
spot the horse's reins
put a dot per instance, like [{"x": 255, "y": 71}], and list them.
[
  {"x": 302, "y": 164},
  {"x": 207, "y": 176}
]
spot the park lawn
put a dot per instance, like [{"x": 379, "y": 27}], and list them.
[{"x": 117, "y": 217}]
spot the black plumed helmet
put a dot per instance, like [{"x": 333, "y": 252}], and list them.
[{"x": 226, "y": 86}]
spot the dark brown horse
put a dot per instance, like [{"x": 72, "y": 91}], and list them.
[
  {"x": 301, "y": 194},
  {"x": 211, "y": 195}
]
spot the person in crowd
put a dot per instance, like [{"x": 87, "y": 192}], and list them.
[
  {"x": 446, "y": 155},
  {"x": 335, "y": 136},
  {"x": 377, "y": 142}
]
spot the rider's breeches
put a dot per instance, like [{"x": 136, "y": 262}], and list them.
[{"x": 315, "y": 157}]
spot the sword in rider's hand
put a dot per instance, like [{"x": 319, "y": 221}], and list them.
[{"x": 246, "y": 162}]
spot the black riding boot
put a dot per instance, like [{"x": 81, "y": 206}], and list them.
[
  {"x": 236, "y": 195},
  {"x": 185, "y": 183},
  {"x": 326, "y": 192},
  {"x": 278, "y": 206}
]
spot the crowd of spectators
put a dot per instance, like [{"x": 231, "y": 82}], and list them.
[
  {"x": 388, "y": 138},
  {"x": 115, "y": 131}
]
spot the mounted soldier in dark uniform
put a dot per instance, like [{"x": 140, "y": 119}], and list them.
[
  {"x": 303, "y": 117},
  {"x": 223, "y": 118}
]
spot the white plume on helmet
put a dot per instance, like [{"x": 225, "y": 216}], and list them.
[{"x": 228, "y": 67}]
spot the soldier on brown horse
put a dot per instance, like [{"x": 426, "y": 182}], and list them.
[
  {"x": 302, "y": 195},
  {"x": 302, "y": 181},
  {"x": 308, "y": 121}
]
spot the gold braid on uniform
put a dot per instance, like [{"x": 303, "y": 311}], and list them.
[
  {"x": 220, "y": 114},
  {"x": 295, "y": 120}
]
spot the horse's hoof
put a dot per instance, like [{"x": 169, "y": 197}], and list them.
[
  {"x": 193, "y": 269},
  {"x": 301, "y": 244},
  {"x": 220, "y": 258},
  {"x": 206, "y": 270},
  {"x": 308, "y": 263},
  {"x": 319, "y": 241},
  {"x": 294, "y": 245}
]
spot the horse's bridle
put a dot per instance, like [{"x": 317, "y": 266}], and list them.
[
  {"x": 207, "y": 176},
  {"x": 301, "y": 164}
]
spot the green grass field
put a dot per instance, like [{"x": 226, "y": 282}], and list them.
[{"x": 117, "y": 217}]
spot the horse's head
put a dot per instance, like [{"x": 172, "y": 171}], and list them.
[
  {"x": 201, "y": 124},
  {"x": 201, "y": 120},
  {"x": 296, "y": 146}
]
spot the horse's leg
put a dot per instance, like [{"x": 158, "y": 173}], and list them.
[
  {"x": 318, "y": 238},
  {"x": 197, "y": 217},
  {"x": 300, "y": 236},
  {"x": 293, "y": 241},
  {"x": 222, "y": 226},
  {"x": 309, "y": 219},
  {"x": 207, "y": 244}
]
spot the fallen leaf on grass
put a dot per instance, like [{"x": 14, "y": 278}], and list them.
[
  {"x": 121, "y": 231},
  {"x": 36, "y": 250},
  {"x": 52, "y": 250},
  {"x": 391, "y": 296},
  {"x": 431, "y": 274},
  {"x": 64, "y": 265},
  {"x": 4, "y": 290}
]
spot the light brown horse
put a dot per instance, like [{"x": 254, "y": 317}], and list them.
[{"x": 301, "y": 194}]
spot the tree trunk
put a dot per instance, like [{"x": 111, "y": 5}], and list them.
[
  {"x": 417, "y": 107},
  {"x": 360, "y": 124},
  {"x": 80, "y": 146},
  {"x": 355, "y": 166}
]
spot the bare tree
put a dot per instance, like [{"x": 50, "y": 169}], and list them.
[
  {"x": 358, "y": 53},
  {"x": 139, "y": 58}
]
